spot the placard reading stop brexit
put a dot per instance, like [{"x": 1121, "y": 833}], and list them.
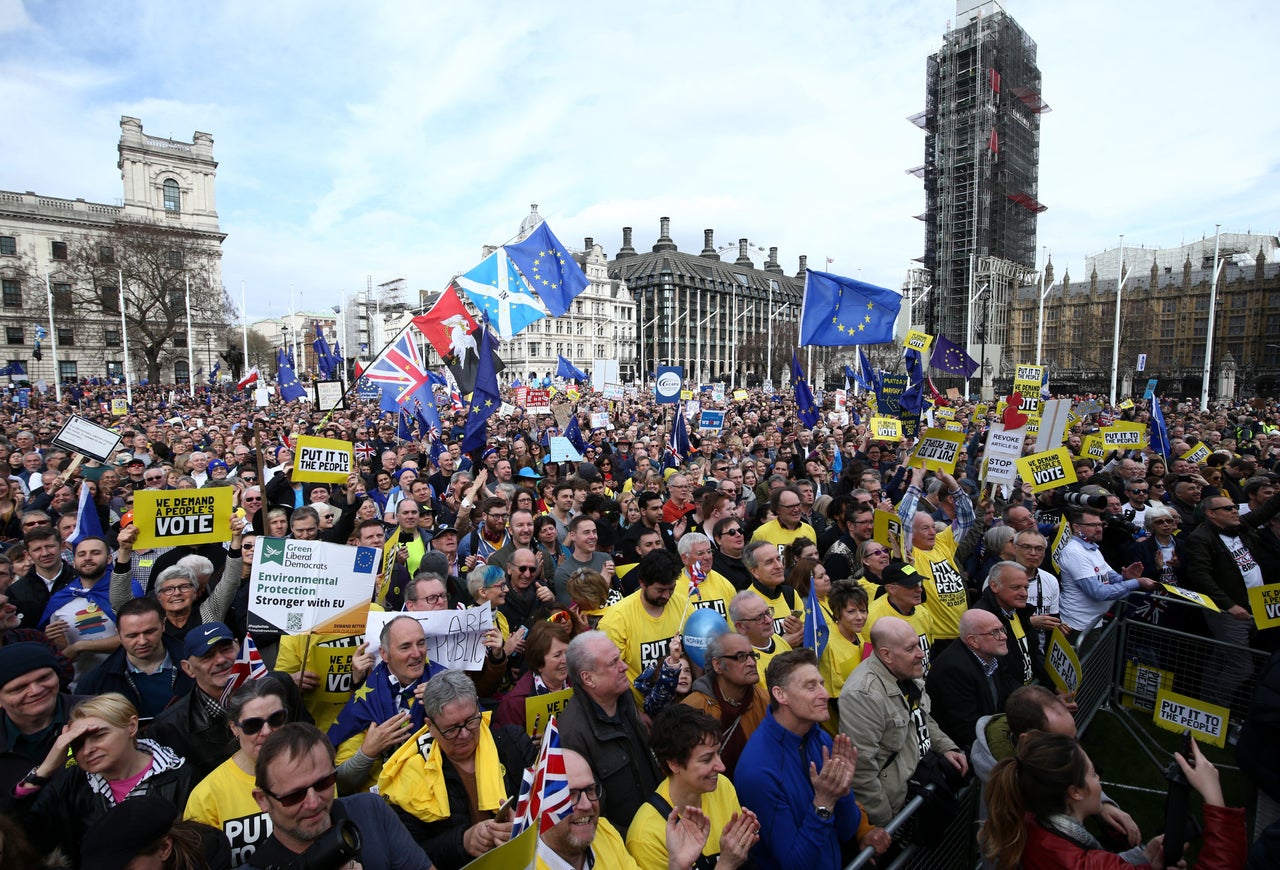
[
  {"x": 167, "y": 518},
  {"x": 322, "y": 460}
]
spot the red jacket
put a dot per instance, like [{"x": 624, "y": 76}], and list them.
[{"x": 1223, "y": 847}]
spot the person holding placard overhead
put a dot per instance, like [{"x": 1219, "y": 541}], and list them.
[{"x": 933, "y": 554}]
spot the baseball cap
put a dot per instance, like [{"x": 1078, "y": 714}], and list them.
[
  {"x": 201, "y": 640},
  {"x": 902, "y": 574},
  {"x": 444, "y": 530}
]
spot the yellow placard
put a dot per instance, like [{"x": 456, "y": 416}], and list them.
[
  {"x": 1198, "y": 454},
  {"x": 937, "y": 450},
  {"x": 1125, "y": 405},
  {"x": 953, "y": 426},
  {"x": 945, "y": 413},
  {"x": 119, "y": 407},
  {"x": 1178, "y": 713},
  {"x": 520, "y": 851},
  {"x": 538, "y": 710},
  {"x": 166, "y": 518},
  {"x": 1001, "y": 404},
  {"x": 1142, "y": 683},
  {"x": 1194, "y": 597},
  {"x": 1125, "y": 436},
  {"x": 887, "y": 530},
  {"x": 331, "y": 662},
  {"x": 1092, "y": 447},
  {"x": 573, "y": 393},
  {"x": 686, "y": 395},
  {"x": 739, "y": 395},
  {"x": 323, "y": 460},
  {"x": 1047, "y": 470},
  {"x": 1264, "y": 601},
  {"x": 979, "y": 413},
  {"x": 885, "y": 429},
  {"x": 1060, "y": 540},
  {"x": 1062, "y": 664},
  {"x": 1033, "y": 426},
  {"x": 917, "y": 340}
]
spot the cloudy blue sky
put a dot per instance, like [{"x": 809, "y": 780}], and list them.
[{"x": 394, "y": 139}]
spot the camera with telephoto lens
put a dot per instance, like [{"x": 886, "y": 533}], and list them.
[
  {"x": 1079, "y": 499},
  {"x": 1118, "y": 522},
  {"x": 334, "y": 849}
]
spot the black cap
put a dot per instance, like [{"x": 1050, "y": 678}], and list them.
[
  {"x": 125, "y": 830},
  {"x": 443, "y": 530},
  {"x": 17, "y": 659},
  {"x": 902, "y": 574}
]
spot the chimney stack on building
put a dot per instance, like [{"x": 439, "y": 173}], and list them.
[
  {"x": 626, "y": 250},
  {"x": 743, "y": 259},
  {"x": 771, "y": 264},
  {"x": 588, "y": 243},
  {"x": 804, "y": 265},
  {"x": 709, "y": 245},
  {"x": 664, "y": 242}
]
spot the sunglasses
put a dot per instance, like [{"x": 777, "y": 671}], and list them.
[
  {"x": 561, "y": 617},
  {"x": 293, "y": 798},
  {"x": 733, "y": 531},
  {"x": 254, "y": 724}
]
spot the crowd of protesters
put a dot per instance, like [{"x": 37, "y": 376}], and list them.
[{"x": 765, "y": 747}]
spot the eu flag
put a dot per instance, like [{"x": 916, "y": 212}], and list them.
[
  {"x": 550, "y": 270},
  {"x": 807, "y": 407},
  {"x": 840, "y": 311},
  {"x": 485, "y": 399},
  {"x": 287, "y": 379},
  {"x": 566, "y": 369},
  {"x": 1159, "y": 431},
  {"x": 816, "y": 631},
  {"x": 867, "y": 375},
  {"x": 573, "y": 431},
  {"x": 324, "y": 356},
  {"x": 951, "y": 357}
]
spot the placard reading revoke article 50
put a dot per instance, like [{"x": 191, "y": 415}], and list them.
[{"x": 301, "y": 586}]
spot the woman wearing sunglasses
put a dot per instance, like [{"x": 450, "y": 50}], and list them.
[
  {"x": 255, "y": 711},
  {"x": 111, "y": 766}
]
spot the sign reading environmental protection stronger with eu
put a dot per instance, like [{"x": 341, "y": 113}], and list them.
[
  {"x": 167, "y": 518},
  {"x": 311, "y": 586}
]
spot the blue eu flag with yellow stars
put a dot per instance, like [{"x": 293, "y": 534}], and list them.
[
  {"x": 485, "y": 400},
  {"x": 550, "y": 270},
  {"x": 365, "y": 559},
  {"x": 287, "y": 379},
  {"x": 951, "y": 357},
  {"x": 839, "y": 311}
]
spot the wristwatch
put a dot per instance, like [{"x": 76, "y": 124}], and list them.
[{"x": 824, "y": 813}]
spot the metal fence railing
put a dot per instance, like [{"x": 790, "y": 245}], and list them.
[{"x": 957, "y": 847}]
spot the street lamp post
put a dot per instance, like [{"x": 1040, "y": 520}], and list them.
[{"x": 208, "y": 346}]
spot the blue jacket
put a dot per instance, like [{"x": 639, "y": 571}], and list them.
[{"x": 772, "y": 779}]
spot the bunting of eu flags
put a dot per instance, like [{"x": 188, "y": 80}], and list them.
[{"x": 839, "y": 311}]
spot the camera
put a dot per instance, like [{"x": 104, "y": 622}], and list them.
[
  {"x": 334, "y": 849},
  {"x": 1118, "y": 522},
  {"x": 1077, "y": 499}
]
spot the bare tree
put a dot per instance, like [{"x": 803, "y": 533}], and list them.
[{"x": 157, "y": 264}]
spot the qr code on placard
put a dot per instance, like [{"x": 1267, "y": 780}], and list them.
[{"x": 294, "y": 622}]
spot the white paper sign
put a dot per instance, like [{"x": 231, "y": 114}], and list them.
[
  {"x": 599, "y": 419},
  {"x": 82, "y": 436},
  {"x": 455, "y": 638},
  {"x": 1002, "y": 453},
  {"x": 302, "y": 586}
]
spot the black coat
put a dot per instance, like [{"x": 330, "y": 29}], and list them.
[
  {"x": 1212, "y": 570},
  {"x": 113, "y": 675},
  {"x": 1013, "y": 664},
  {"x": 961, "y": 693},
  {"x": 14, "y": 765},
  {"x": 29, "y": 594},
  {"x": 617, "y": 750}
]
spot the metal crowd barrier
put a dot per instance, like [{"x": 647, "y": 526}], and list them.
[{"x": 957, "y": 848}]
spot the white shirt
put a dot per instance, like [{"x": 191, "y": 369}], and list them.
[
  {"x": 1249, "y": 569},
  {"x": 1089, "y": 584}
]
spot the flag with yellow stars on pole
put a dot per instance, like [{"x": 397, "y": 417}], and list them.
[
  {"x": 839, "y": 311},
  {"x": 485, "y": 400},
  {"x": 550, "y": 269}
]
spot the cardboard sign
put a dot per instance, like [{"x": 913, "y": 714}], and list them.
[
  {"x": 1062, "y": 664},
  {"x": 917, "y": 340},
  {"x": 1178, "y": 713},
  {"x": 979, "y": 413},
  {"x": 953, "y": 426},
  {"x": 1003, "y": 450},
  {"x": 324, "y": 460},
  {"x": 297, "y": 587},
  {"x": 81, "y": 436},
  {"x": 937, "y": 450},
  {"x": 262, "y": 397},
  {"x": 329, "y": 395},
  {"x": 1125, "y": 436},
  {"x": 538, "y": 710},
  {"x": 1142, "y": 683},
  {"x": 331, "y": 662},
  {"x": 1194, "y": 597},
  {"x": 1092, "y": 447},
  {"x": 711, "y": 421},
  {"x": 1061, "y": 538},
  {"x": 887, "y": 530},
  {"x": 945, "y": 413},
  {"x": 1048, "y": 469},
  {"x": 169, "y": 517},
  {"x": 561, "y": 449},
  {"x": 119, "y": 407},
  {"x": 739, "y": 395},
  {"x": 1264, "y": 601},
  {"x": 886, "y": 429},
  {"x": 1087, "y": 407},
  {"x": 686, "y": 395},
  {"x": 953, "y": 394},
  {"x": 519, "y": 851},
  {"x": 455, "y": 638},
  {"x": 1198, "y": 454},
  {"x": 1055, "y": 418}
]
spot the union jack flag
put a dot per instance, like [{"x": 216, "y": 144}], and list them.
[
  {"x": 696, "y": 575},
  {"x": 365, "y": 450},
  {"x": 544, "y": 791},
  {"x": 399, "y": 367},
  {"x": 248, "y": 666}
]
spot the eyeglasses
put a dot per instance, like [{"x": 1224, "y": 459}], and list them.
[
  {"x": 744, "y": 656},
  {"x": 789, "y": 507},
  {"x": 878, "y": 551},
  {"x": 453, "y": 732},
  {"x": 593, "y": 793},
  {"x": 993, "y": 633},
  {"x": 526, "y": 569},
  {"x": 254, "y": 724},
  {"x": 734, "y": 531},
  {"x": 1030, "y": 548},
  {"x": 501, "y": 584},
  {"x": 252, "y": 498},
  {"x": 293, "y": 798},
  {"x": 170, "y": 591}
]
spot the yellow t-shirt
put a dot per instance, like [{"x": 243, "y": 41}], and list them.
[
  {"x": 945, "y": 595},
  {"x": 779, "y": 646},
  {"x": 607, "y": 849},
  {"x": 715, "y": 592},
  {"x": 838, "y": 661},
  {"x": 647, "y": 836},
  {"x": 224, "y": 800},
  {"x": 921, "y": 620},
  {"x": 774, "y": 533},
  {"x": 643, "y": 639}
]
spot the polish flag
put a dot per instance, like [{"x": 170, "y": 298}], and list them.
[{"x": 251, "y": 377}]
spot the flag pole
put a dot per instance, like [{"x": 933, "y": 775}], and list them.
[
  {"x": 244, "y": 326},
  {"x": 191, "y": 362},
  {"x": 1115, "y": 344},
  {"x": 53, "y": 342},
  {"x": 1208, "y": 339},
  {"x": 124, "y": 335}
]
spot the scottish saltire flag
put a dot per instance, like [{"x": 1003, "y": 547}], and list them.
[
  {"x": 550, "y": 269},
  {"x": 951, "y": 357},
  {"x": 247, "y": 666},
  {"x": 398, "y": 370},
  {"x": 497, "y": 289},
  {"x": 805, "y": 404},
  {"x": 287, "y": 379},
  {"x": 816, "y": 631},
  {"x": 485, "y": 400},
  {"x": 839, "y": 311},
  {"x": 88, "y": 525},
  {"x": 566, "y": 369},
  {"x": 544, "y": 792},
  {"x": 324, "y": 361},
  {"x": 1159, "y": 431}
]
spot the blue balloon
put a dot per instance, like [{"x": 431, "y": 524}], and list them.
[{"x": 699, "y": 628}]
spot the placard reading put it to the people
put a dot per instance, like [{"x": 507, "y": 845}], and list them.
[
  {"x": 1062, "y": 664},
  {"x": 885, "y": 429},
  {"x": 1125, "y": 436},
  {"x": 937, "y": 450},
  {"x": 538, "y": 710},
  {"x": 1178, "y": 713},
  {"x": 1198, "y": 454},
  {"x": 1142, "y": 682},
  {"x": 301, "y": 586},
  {"x": 322, "y": 460},
  {"x": 1194, "y": 597},
  {"x": 1047, "y": 470},
  {"x": 1264, "y": 601},
  {"x": 887, "y": 530},
  {"x": 455, "y": 638},
  {"x": 169, "y": 517}
]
